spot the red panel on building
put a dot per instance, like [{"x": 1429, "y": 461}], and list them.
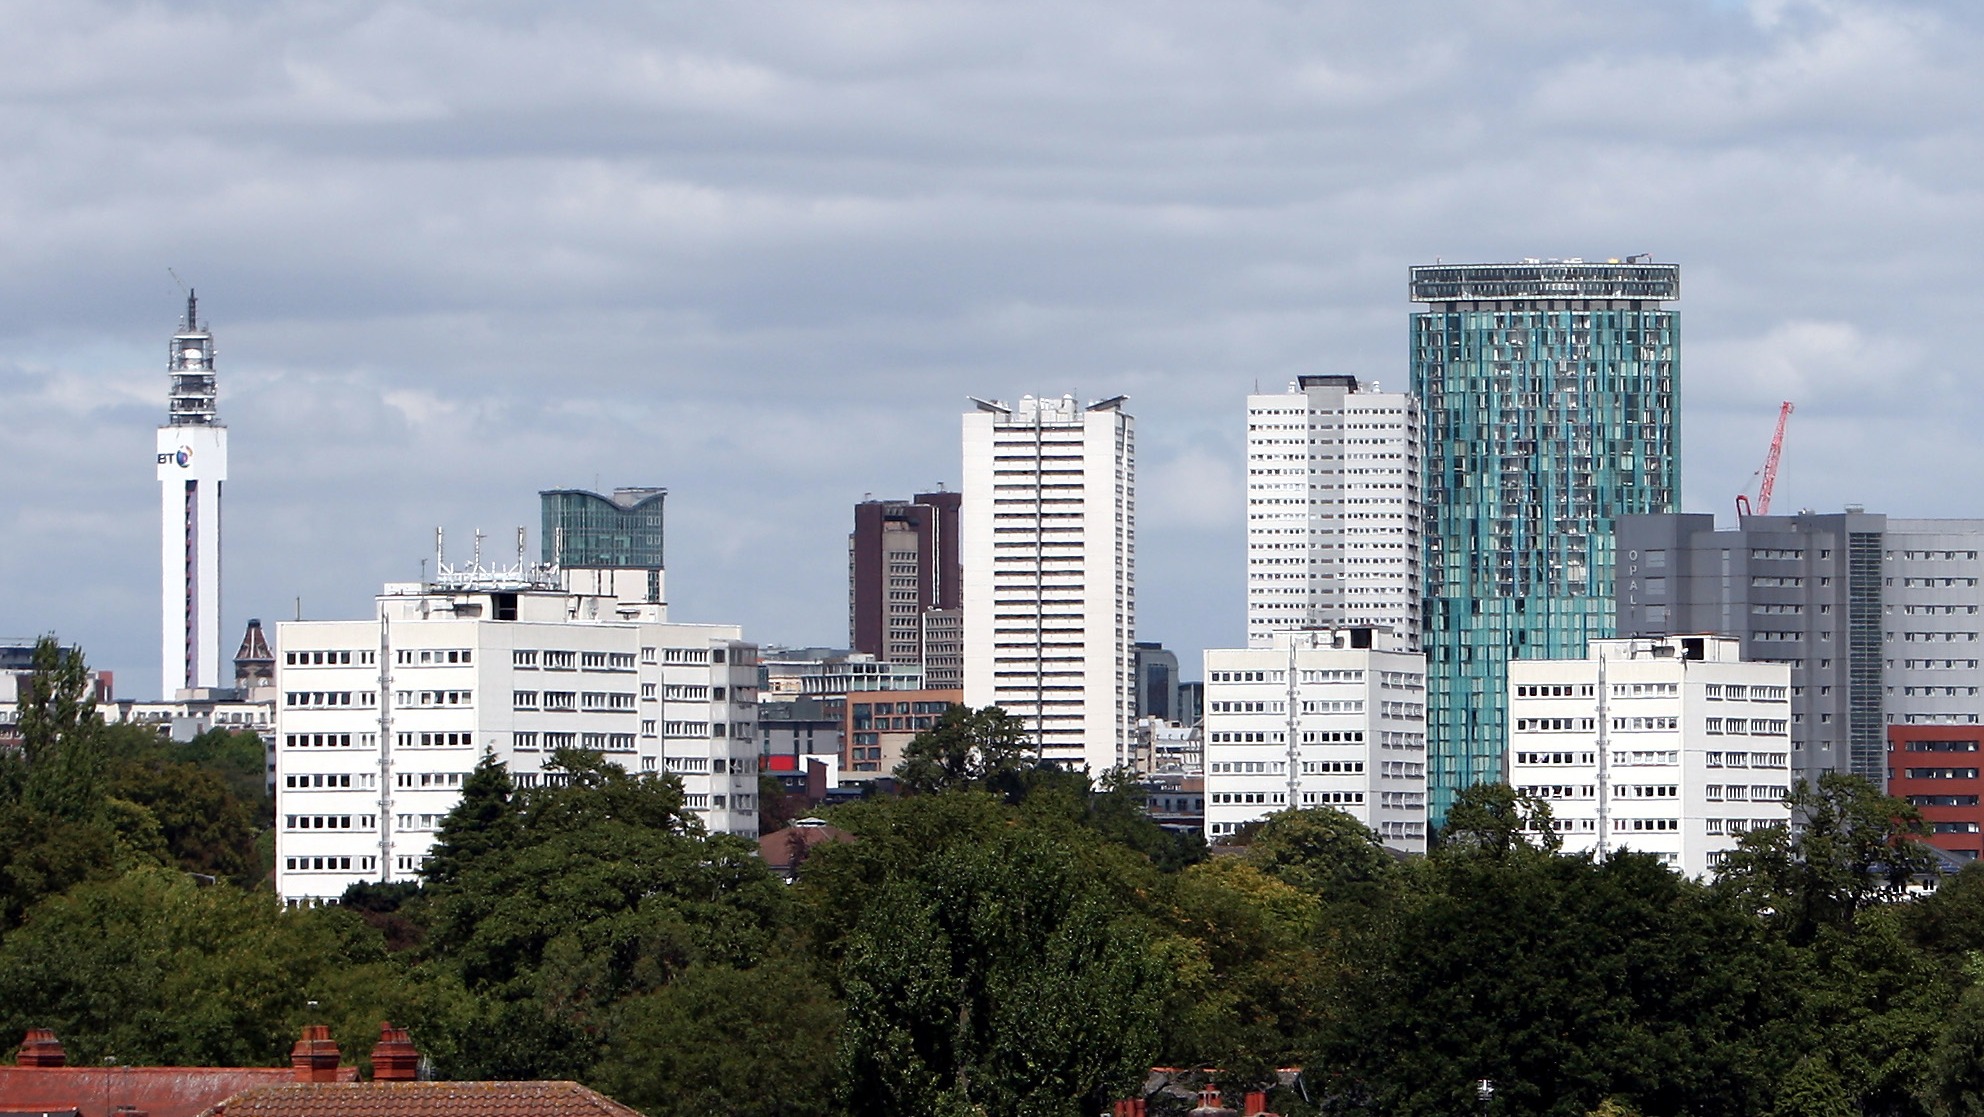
[{"x": 1935, "y": 768}]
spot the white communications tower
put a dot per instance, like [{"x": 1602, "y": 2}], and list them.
[{"x": 192, "y": 463}]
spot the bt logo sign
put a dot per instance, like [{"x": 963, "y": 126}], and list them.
[{"x": 182, "y": 458}]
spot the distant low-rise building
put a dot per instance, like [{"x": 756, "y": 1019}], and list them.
[
  {"x": 1165, "y": 747},
  {"x": 830, "y": 674},
  {"x": 800, "y": 727},
  {"x": 1674, "y": 746},
  {"x": 16, "y": 665},
  {"x": 879, "y": 725}
]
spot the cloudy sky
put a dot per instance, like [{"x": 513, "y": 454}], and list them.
[{"x": 759, "y": 253}]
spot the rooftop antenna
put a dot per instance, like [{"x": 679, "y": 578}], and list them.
[
  {"x": 520, "y": 547},
  {"x": 440, "y": 550},
  {"x": 477, "y": 559}
]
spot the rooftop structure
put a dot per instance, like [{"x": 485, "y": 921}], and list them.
[
  {"x": 1547, "y": 281},
  {"x": 583, "y": 528}
]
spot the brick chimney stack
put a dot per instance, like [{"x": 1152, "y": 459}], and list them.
[
  {"x": 394, "y": 1058},
  {"x": 316, "y": 1055},
  {"x": 41, "y": 1049}
]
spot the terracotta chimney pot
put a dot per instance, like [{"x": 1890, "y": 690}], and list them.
[{"x": 41, "y": 1049}]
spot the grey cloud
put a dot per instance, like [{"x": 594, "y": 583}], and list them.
[{"x": 456, "y": 253}]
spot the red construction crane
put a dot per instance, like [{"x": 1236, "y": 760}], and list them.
[{"x": 1769, "y": 471}]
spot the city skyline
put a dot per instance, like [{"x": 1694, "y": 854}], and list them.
[{"x": 769, "y": 261}]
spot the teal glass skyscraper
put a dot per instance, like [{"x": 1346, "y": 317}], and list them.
[
  {"x": 586, "y": 529},
  {"x": 1547, "y": 390}
]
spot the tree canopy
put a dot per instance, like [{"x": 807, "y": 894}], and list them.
[{"x": 1011, "y": 940}]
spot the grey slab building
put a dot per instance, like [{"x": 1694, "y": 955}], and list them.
[{"x": 1877, "y": 617}]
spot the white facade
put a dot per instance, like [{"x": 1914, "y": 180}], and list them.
[
  {"x": 1695, "y": 751},
  {"x": 379, "y": 721},
  {"x": 1357, "y": 710},
  {"x": 1047, "y": 539},
  {"x": 192, "y": 464},
  {"x": 1333, "y": 510}
]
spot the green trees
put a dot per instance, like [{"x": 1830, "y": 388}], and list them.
[
  {"x": 58, "y": 829},
  {"x": 62, "y": 749},
  {"x": 757, "y": 1042},
  {"x": 1848, "y": 846},
  {"x": 152, "y": 967},
  {"x": 1009, "y": 941},
  {"x": 966, "y": 748},
  {"x": 976, "y": 980},
  {"x": 554, "y": 904}
]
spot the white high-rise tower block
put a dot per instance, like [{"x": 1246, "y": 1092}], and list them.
[
  {"x": 192, "y": 464},
  {"x": 1047, "y": 539},
  {"x": 1333, "y": 510}
]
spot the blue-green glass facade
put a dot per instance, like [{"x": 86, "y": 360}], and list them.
[
  {"x": 1548, "y": 395},
  {"x": 586, "y": 529}
]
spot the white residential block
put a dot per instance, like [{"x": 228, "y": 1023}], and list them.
[
  {"x": 1356, "y": 708},
  {"x": 1333, "y": 509},
  {"x": 378, "y": 722},
  {"x": 1048, "y": 544},
  {"x": 1694, "y": 749}
]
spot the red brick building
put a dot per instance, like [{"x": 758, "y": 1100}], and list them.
[{"x": 1935, "y": 768}]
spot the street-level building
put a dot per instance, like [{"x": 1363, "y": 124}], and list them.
[
  {"x": 1331, "y": 718},
  {"x": 1674, "y": 746},
  {"x": 1048, "y": 542},
  {"x": 379, "y": 721},
  {"x": 796, "y": 728},
  {"x": 1333, "y": 509}
]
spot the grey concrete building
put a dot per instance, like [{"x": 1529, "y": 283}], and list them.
[{"x": 1878, "y": 618}]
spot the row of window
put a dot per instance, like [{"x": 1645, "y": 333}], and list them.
[
  {"x": 325, "y": 864},
  {"x": 337, "y": 658},
  {"x": 530, "y": 659},
  {"x": 329, "y": 822}
]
